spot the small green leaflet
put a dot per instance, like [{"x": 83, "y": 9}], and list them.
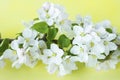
[
  {"x": 52, "y": 33},
  {"x": 4, "y": 45},
  {"x": 63, "y": 41},
  {"x": 109, "y": 30},
  {"x": 41, "y": 27}
]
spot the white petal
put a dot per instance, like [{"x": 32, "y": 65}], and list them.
[
  {"x": 112, "y": 46},
  {"x": 111, "y": 37},
  {"x": 33, "y": 63},
  {"x": 34, "y": 34},
  {"x": 97, "y": 49},
  {"x": 21, "y": 40},
  {"x": 47, "y": 5},
  {"x": 51, "y": 12},
  {"x": 35, "y": 53},
  {"x": 32, "y": 42},
  {"x": 60, "y": 53},
  {"x": 47, "y": 52},
  {"x": 44, "y": 59},
  {"x": 92, "y": 61},
  {"x": 14, "y": 45},
  {"x": 100, "y": 56},
  {"x": 16, "y": 64},
  {"x": 75, "y": 59},
  {"x": 10, "y": 55},
  {"x": 42, "y": 44},
  {"x": 75, "y": 50},
  {"x": 62, "y": 70},
  {"x": 113, "y": 63},
  {"x": 55, "y": 60},
  {"x": 95, "y": 37},
  {"x": 107, "y": 50},
  {"x": 50, "y": 22},
  {"x": 52, "y": 68},
  {"x": 86, "y": 39},
  {"x": 77, "y": 40},
  {"x": 27, "y": 33},
  {"x": 83, "y": 57},
  {"x": 25, "y": 45},
  {"x": 77, "y": 30},
  {"x": 54, "y": 48},
  {"x": 2, "y": 64}
]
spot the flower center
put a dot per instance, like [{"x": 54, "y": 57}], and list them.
[
  {"x": 14, "y": 52},
  {"x": 105, "y": 43},
  {"x": 92, "y": 44},
  {"x": 27, "y": 39},
  {"x": 62, "y": 22},
  {"x": 81, "y": 49},
  {"x": 82, "y": 34},
  {"x": 47, "y": 15},
  {"x": 67, "y": 60},
  {"x": 54, "y": 54}
]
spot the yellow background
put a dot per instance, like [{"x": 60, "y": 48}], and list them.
[{"x": 13, "y": 12}]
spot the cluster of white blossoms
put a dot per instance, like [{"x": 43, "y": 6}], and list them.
[{"x": 61, "y": 43}]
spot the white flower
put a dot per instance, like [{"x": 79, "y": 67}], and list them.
[
  {"x": 104, "y": 24},
  {"x": 81, "y": 52},
  {"x": 9, "y": 54},
  {"x": 28, "y": 38},
  {"x": 81, "y": 36},
  {"x": 96, "y": 47},
  {"x": 22, "y": 58},
  {"x": 48, "y": 13},
  {"x": 110, "y": 63},
  {"x": 53, "y": 55},
  {"x": 67, "y": 66},
  {"x": 35, "y": 53},
  {"x": 22, "y": 55},
  {"x": 36, "y": 50},
  {"x": 109, "y": 45},
  {"x": 65, "y": 27},
  {"x": 85, "y": 22},
  {"x": 81, "y": 31}
]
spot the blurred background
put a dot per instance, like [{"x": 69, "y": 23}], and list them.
[{"x": 13, "y": 12}]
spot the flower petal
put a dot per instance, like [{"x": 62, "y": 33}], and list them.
[
  {"x": 14, "y": 45},
  {"x": 112, "y": 46}
]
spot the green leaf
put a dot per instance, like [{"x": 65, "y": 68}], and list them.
[
  {"x": 52, "y": 33},
  {"x": 4, "y": 45},
  {"x": 63, "y": 41},
  {"x": 41, "y": 27},
  {"x": 109, "y": 30}
]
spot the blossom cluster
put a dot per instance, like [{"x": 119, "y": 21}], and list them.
[{"x": 61, "y": 43}]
